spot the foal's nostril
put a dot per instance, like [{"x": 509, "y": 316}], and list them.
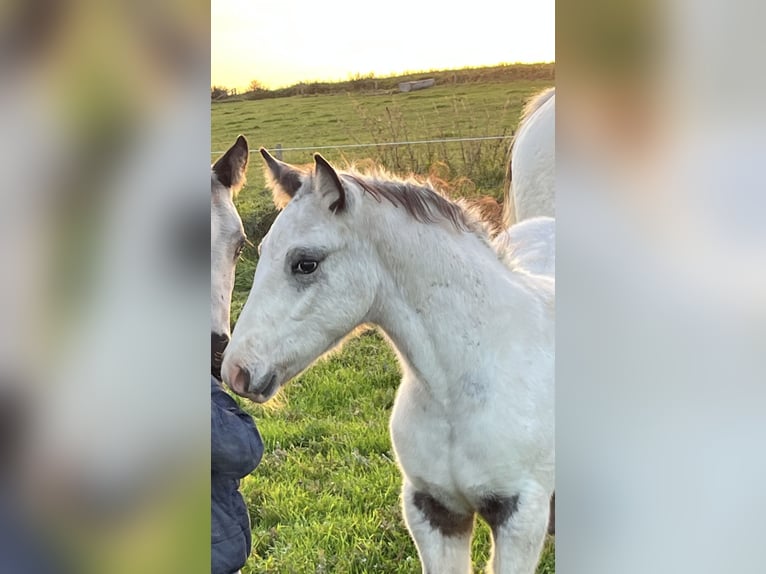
[{"x": 241, "y": 380}]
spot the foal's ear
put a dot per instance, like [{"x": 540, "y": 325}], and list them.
[
  {"x": 231, "y": 166},
  {"x": 329, "y": 184},
  {"x": 285, "y": 179}
]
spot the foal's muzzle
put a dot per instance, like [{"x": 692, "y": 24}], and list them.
[
  {"x": 218, "y": 343},
  {"x": 259, "y": 388}
]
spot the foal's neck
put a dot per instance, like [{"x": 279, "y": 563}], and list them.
[{"x": 438, "y": 301}]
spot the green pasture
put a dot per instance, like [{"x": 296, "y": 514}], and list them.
[{"x": 326, "y": 495}]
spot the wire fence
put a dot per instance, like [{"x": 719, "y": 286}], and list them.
[{"x": 278, "y": 149}]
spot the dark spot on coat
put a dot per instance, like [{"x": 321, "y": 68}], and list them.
[
  {"x": 497, "y": 510},
  {"x": 441, "y": 518}
]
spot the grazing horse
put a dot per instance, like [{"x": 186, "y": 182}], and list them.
[
  {"x": 473, "y": 421},
  {"x": 227, "y": 239},
  {"x": 531, "y": 174}
]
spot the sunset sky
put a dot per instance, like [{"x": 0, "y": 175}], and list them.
[{"x": 282, "y": 42}]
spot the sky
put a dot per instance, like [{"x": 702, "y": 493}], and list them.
[{"x": 282, "y": 42}]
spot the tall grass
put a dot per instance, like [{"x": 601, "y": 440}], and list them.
[{"x": 464, "y": 166}]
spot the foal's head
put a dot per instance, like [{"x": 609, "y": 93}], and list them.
[
  {"x": 315, "y": 281},
  {"x": 227, "y": 239}
]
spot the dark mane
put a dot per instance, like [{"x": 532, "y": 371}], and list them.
[{"x": 420, "y": 200}]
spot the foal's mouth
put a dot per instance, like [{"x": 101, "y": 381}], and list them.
[
  {"x": 271, "y": 388},
  {"x": 218, "y": 344}
]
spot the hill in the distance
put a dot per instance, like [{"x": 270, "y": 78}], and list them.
[{"x": 372, "y": 84}]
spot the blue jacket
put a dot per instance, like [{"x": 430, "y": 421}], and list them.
[{"x": 235, "y": 450}]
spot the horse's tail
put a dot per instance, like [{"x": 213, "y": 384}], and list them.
[{"x": 509, "y": 204}]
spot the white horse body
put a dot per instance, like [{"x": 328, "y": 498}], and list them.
[
  {"x": 473, "y": 424},
  {"x": 530, "y": 245},
  {"x": 532, "y": 172}
]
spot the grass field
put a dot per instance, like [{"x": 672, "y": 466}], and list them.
[{"x": 326, "y": 495}]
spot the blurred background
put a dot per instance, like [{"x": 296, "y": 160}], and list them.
[
  {"x": 661, "y": 286},
  {"x": 104, "y": 235}
]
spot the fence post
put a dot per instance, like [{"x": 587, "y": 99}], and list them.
[{"x": 278, "y": 151}]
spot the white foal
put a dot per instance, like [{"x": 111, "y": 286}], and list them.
[{"x": 473, "y": 421}]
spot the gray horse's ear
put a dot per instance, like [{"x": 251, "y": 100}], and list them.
[
  {"x": 230, "y": 168},
  {"x": 329, "y": 184},
  {"x": 285, "y": 179}
]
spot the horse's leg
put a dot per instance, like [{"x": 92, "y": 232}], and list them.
[
  {"x": 442, "y": 537},
  {"x": 519, "y": 524}
]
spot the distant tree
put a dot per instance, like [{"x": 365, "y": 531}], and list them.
[
  {"x": 218, "y": 92},
  {"x": 255, "y": 86}
]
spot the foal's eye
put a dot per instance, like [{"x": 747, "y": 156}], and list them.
[{"x": 305, "y": 266}]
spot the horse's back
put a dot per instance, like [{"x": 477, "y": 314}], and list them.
[
  {"x": 530, "y": 245},
  {"x": 532, "y": 169}
]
